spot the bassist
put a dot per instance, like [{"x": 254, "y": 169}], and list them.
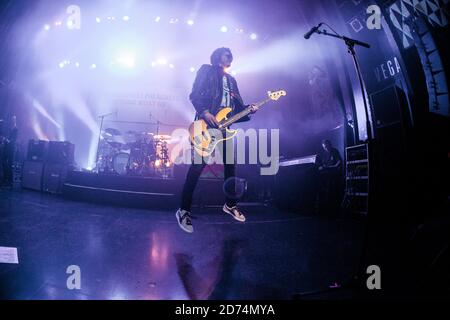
[{"x": 213, "y": 90}]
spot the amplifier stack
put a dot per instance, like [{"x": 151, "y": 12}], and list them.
[{"x": 47, "y": 164}]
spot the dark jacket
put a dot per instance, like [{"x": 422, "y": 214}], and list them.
[
  {"x": 207, "y": 92},
  {"x": 328, "y": 159}
]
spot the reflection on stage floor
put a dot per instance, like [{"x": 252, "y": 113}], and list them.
[{"x": 142, "y": 254}]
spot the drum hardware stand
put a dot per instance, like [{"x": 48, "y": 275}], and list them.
[
  {"x": 157, "y": 124},
  {"x": 102, "y": 117}
]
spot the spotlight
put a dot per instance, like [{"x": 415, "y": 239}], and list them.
[
  {"x": 190, "y": 22},
  {"x": 97, "y": 19},
  {"x": 173, "y": 20},
  {"x": 58, "y": 23},
  {"x": 157, "y": 163},
  {"x": 171, "y": 66},
  {"x": 168, "y": 164},
  {"x": 253, "y": 36},
  {"x": 153, "y": 63},
  {"x": 191, "y": 69},
  {"x": 126, "y": 18},
  {"x": 47, "y": 27},
  {"x": 77, "y": 64},
  {"x": 157, "y": 19},
  {"x": 162, "y": 61},
  {"x": 224, "y": 29},
  {"x": 233, "y": 73},
  {"x": 69, "y": 24},
  {"x": 93, "y": 66},
  {"x": 61, "y": 65},
  {"x": 127, "y": 60}
]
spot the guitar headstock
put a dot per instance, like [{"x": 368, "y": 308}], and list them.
[{"x": 275, "y": 95}]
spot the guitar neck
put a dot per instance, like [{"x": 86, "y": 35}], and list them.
[{"x": 242, "y": 114}]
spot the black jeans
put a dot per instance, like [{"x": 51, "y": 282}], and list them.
[{"x": 194, "y": 173}]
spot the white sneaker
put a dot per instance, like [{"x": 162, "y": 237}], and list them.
[
  {"x": 184, "y": 220},
  {"x": 234, "y": 212}
]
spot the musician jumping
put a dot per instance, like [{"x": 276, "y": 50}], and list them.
[{"x": 214, "y": 89}]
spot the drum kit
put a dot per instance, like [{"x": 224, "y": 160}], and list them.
[{"x": 134, "y": 153}]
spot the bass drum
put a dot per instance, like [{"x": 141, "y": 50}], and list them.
[{"x": 120, "y": 163}]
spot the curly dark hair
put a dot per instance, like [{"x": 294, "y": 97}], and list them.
[{"x": 215, "y": 56}]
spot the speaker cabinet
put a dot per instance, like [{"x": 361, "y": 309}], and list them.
[
  {"x": 390, "y": 108},
  {"x": 37, "y": 150},
  {"x": 54, "y": 177},
  {"x": 61, "y": 152},
  {"x": 32, "y": 175}
]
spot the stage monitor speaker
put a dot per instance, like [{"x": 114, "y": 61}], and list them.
[
  {"x": 37, "y": 150},
  {"x": 61, "y": 152},
  {"x": 32, "y": 175},
  {"x": 54, "y": 177}
]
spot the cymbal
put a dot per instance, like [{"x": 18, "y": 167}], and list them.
[
  {"x": 162, "y": 137},
  {"x": 113, "y": 132},
  {"x": 107, "y": 136},
  {"x": 146, "y": 133}
]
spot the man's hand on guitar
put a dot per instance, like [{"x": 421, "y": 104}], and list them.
[{"x": 210, "y": 120}]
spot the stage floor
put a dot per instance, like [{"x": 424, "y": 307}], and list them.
[{"x": 143, "y": 254}]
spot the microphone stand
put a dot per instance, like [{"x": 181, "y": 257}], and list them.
[
  {"x": 356, "y": 279},
  {"x": 102, "y": 117},
  {"x": 351, "y": 49}
]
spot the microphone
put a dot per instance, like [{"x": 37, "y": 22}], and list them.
[{"x": 313, "y": 30}]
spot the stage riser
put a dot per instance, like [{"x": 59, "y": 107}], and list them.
[
  {"x": 117, "y": 182},
  {"x": 132, "y": 200},
  {"x": 139, "y": 191}
]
